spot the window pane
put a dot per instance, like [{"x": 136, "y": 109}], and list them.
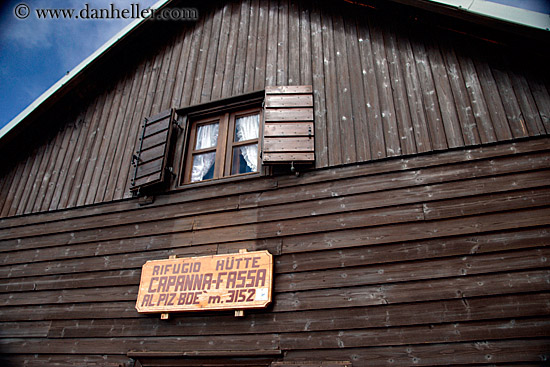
[
  {"x": 245, "y": 159},
  {"x": 203, "y": 166},
  {"x": 207, "y": 136},
  {"x": 246, "y": 128}
]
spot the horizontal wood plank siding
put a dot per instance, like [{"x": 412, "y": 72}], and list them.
[
  {"x": 381, "y": 87},
  {"x": 437, "y": 252},
  {"x": 421, "y": 236}
]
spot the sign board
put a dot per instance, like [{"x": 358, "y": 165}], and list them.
[{"x": 218, "y": 282}]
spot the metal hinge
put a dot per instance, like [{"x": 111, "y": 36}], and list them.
[
  {"x": 135, "y": 159},
  {"x": 170, "y": 170}
]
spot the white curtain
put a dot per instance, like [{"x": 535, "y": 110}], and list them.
[
  {"x": 248, "y": 128},
  {"x": 207, "y": 137}
]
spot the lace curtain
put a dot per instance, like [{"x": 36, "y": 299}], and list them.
[
  {"x": 207, "y": 137},
  {"x": 247, "y": 128}
]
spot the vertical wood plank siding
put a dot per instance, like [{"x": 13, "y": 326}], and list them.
[
  {"x": 430, "y": 260},
  {"x": 381, "y": 89}
]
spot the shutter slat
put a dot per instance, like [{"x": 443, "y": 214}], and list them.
[
  {"x": 276, "y": 158},
  {"x": 288, "y": 129},
  {"x": 157, "y": 127},
  {"x": 289, "y": 114},
  {"x": 146, "y": 169},
  {"x": 148, "y": 180},
  {"x": 291, "y": 100},
  {"x": 153, "y": 140},
  {"x": 288, "y": 144},
  {"x": 293, "y": 89},
  {"x": 152, "y": 152},
  {"x": 288, "y": 125}
]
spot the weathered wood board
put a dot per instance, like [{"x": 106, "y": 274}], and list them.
[{"x": 381, "y": 255}]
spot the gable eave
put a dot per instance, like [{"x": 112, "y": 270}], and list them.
[{"x": 72, "y": 79}]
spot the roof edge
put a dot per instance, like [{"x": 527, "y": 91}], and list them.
[
  {"x": 495, "y": 16},
  {"x": 505, "y": 13}
]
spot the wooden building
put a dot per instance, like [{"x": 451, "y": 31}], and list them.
[{"x": 398, "y": 173}]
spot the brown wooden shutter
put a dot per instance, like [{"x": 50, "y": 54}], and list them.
[
  {"x": 151, "y": 156},
  {"x": 288, "y": 125}
]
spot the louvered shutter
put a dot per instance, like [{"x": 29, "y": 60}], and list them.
[
  {"x": 288, "y": 125},
  {"x": 151, "y": 156}
]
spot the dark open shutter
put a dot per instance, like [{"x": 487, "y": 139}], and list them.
[
  {"x": 151, "y": 156},
  {"x": 288, "y": 125}
]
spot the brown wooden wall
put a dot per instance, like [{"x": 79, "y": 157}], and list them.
[
  {"x": 383, "y": 86},
  {"x": 437, "y": 259}
]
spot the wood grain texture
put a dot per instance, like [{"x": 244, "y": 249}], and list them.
[
  {"x": 487, "y": 282},
  {"x": 393, "y": 249},
  {"x": 381, "y": 88},
  {"x": 474, "y": 353}
]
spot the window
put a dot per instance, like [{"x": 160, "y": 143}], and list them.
[
  {"x": 223, "y": 145},
  {"x": 262, "y": 131}
]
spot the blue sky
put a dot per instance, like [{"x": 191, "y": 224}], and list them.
[
  {"x": 36, "y": 53},
  {"x": 541, "y": 6}
]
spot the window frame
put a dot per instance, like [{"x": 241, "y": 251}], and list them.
[
  {"x": 223, "y": 163},
  {"x": 187, "y": 119},
  {"x": 232, "y": 144},
  {"x": 192, "y": 151}
]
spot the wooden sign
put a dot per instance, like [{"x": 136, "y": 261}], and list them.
[{"x": 218, "y": 282}]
